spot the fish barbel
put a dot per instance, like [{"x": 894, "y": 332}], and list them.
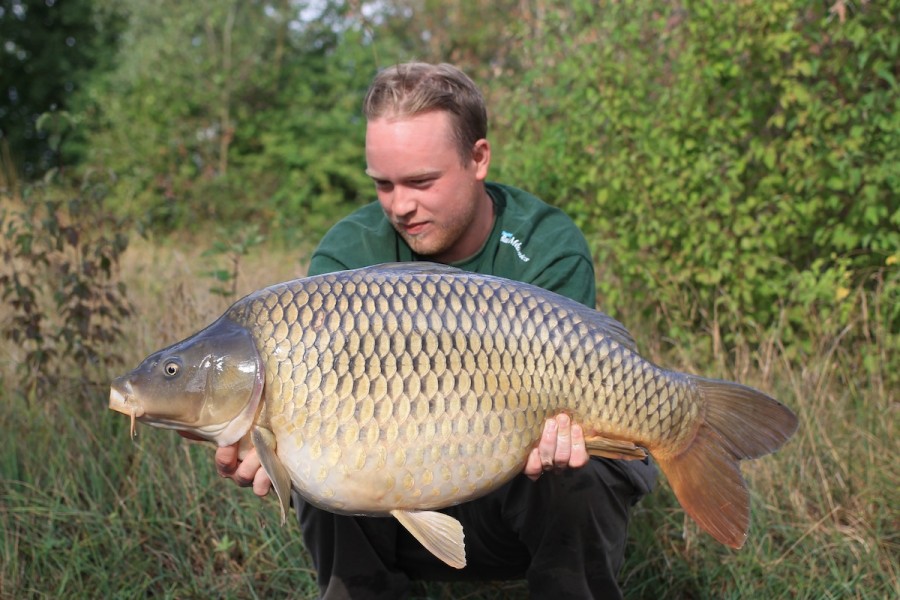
[{"x": 401, "y": 389}]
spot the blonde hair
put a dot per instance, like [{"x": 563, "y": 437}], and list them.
[{"x": 413, "y": 88}]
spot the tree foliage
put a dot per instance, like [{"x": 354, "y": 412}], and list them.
[
  {"x": 49, "y": 48},
  {"x": 234, "y": 111},
  {"x": 735, "y": 164}
]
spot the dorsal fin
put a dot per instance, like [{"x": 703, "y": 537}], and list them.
[{"x": 414, "y": 268}]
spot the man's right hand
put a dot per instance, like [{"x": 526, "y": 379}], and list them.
[{"x": 246, "y": 473}]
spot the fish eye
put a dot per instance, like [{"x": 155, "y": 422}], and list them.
[{"x": 171, "y": 368}]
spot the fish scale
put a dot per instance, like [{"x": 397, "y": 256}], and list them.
[
  {"x": 400, "y": 339},
  {"x": 401, "y": 389}
]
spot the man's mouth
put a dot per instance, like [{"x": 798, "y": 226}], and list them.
[{"x": 412, "y": 228}]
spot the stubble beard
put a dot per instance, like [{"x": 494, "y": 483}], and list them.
[{"x": 435, "y": 244}]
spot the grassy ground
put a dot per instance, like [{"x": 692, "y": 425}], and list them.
[{"x": 85, "y": 511}]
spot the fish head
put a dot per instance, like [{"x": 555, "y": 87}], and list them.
[{"x": 208, "y": 385}]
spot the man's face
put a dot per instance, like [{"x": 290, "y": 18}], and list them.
[{"x": 436, "y": 201}]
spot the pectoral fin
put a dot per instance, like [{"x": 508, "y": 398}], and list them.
[
  {"x": 598, "y": 445},
  {"x": 442, "y": 535},
  {"x": 264, "y": 441}
]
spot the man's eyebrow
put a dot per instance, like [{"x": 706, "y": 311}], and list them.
[
  {"x": 412, "y": 176},
  {"x": 424, "y": 174}
]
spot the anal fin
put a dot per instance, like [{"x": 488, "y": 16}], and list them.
[
  {"x": 264, "y": 441},
  {"x": 441, "y": 534},
  {"x": 598, "y": 445}
]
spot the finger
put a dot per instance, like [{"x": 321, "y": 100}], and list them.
[
  {"x": 226, "y": 460},
  {"x": 246, "y": 471},
  {"x": 533, "y": 468},
  {"x": 579, "y": 456},
  {"x": 261, "y": 483},
  {"x": 563, "y": 441},
  {"x": 547, "y": 445}
]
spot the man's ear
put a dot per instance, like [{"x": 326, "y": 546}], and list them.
[{"x": 481, "y": 156}]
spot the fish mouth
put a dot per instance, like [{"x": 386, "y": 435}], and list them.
[{"x": 121, "y": 399}]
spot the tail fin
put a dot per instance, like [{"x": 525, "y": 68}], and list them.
[{"x": 739, "y": 423}]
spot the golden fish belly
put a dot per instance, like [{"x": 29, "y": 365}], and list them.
[
  {"x": 375, "y": 452},
  {"x": 412, "y": 471}
]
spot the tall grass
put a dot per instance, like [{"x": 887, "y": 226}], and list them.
[
  {"x": 824, "y": 513},
  {"x": 86, "y": 511}
]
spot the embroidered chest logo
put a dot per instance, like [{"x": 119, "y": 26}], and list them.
[{"x": 508, "y": 238}]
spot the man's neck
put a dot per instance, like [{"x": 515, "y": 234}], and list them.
[{"x": 482, "y": 225}]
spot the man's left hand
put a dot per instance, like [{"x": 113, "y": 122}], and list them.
[{"x": 561, "y": 446}]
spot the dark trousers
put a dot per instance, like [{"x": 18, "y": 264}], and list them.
[{"x": 564, "y": 533}]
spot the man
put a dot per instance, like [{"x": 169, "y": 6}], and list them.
[{"x": 565, "y": 532}]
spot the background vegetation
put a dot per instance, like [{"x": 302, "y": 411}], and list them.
[{"x": 734, "y": 165}]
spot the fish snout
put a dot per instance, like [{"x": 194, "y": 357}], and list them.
[{"x": 121, "y": 397}]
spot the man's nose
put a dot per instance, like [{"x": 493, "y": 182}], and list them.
[{"x": 403, "y": 202}]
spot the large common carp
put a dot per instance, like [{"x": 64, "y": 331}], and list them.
[{"x": 400, "y": 389}]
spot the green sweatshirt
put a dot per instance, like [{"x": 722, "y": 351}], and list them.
[{"x": 531, "y": 241}]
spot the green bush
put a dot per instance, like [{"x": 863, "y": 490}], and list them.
[{"x": 735, "y": 165}]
